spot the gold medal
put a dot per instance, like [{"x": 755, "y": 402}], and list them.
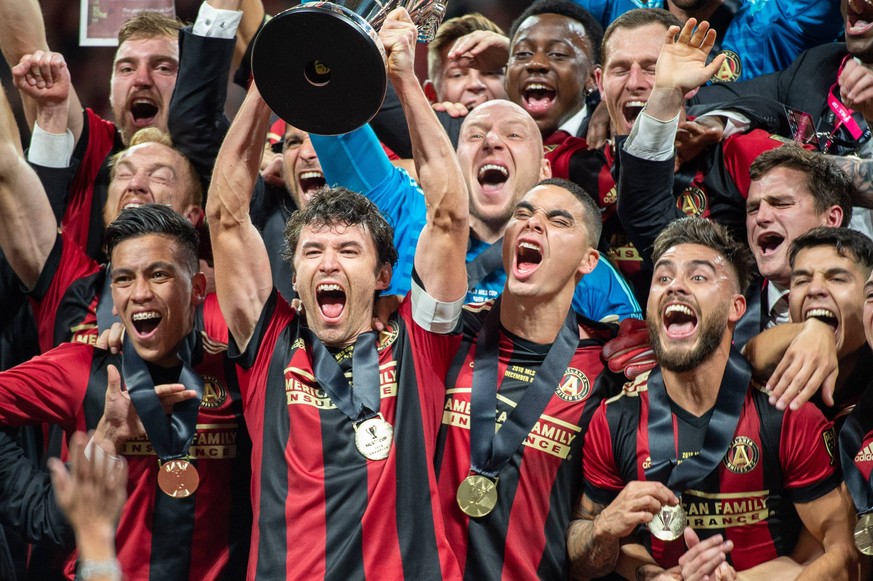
[
  {"x": 373, "y": 438},
  {"x": 477, "y": 495},
  {"x": 178, "y": 478},
  {"x": 669, "y": 523},
  {"x": 864, "y": 534}
]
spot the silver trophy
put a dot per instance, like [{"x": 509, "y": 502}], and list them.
[{"x": 321, "y": 67}]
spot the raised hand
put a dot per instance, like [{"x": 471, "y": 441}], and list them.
[{"x": 682, "y": 63}]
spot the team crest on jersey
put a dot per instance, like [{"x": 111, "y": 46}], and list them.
[
  {"x": 730, "y": 70},
  {"x": 388, "y": 335},
  {"x": 742, "y": 456},
  {"x": 214, "y": 394},
  {"x": 574, "y": 386},
  {"x": 692, "y": 201},
  {"x": 829, "y": 437}
]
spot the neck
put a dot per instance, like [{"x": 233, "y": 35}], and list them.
[
  {"x": 485, "y": 231},
  {"x": 533, "y": 318},
  {"x": 700, "y": 14},
  {"x": 696, "y": 390}
]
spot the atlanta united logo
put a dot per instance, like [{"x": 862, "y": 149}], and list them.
[
  {"x": 830, "y": 441},
  {"x": 742, "y": 456},
  {"x": 214, "y": 393},
  {"x": 692, "y": 201},
  {"x": 387, "y": 336},
  {"x": 730, "y": 70},
  {"x": 574, "y": 386}
]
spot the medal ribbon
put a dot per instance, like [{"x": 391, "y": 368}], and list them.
[
  {"x": 365, "y": 375},
  {"x": 722, "y": 425},
  {"x": 170, "y": 439},
  {"x": 490, "y": 451},
  {"x": 856, "y": 426}
]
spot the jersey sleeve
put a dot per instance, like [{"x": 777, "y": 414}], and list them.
[
  {"x": 603, "y": 480},
  {"x": 741, "y": 150},
  {"x": 66, "y": 263},
  {"x": 603, "y": 293},
  {"x": 808, "y": 454},
  {"x": 357, "y": 161},
  {"x": 50, "y": 388}
]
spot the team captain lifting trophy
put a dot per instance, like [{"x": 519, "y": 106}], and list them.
[{"x": 321, "y": 67}]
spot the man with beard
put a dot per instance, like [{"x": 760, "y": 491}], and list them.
[
  {"x": 695, "y": 441},
  {"x": 757, "y": 37}
]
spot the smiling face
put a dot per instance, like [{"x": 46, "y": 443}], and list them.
[
  {"x": 780, "y": 208},
  {"x": 501, "y": 156},
  {"x": 692, "y": 300},
  {"x": 628, "y": 73},
  {"x": 150, "y": 173},
  {"x": 830, "y": 287},
  {"x": 549, "y": 68},
  {"x": 300, "y": 165},
  {"x": 143, "y": 78},
  {"x": 336, "y": 274},
  {"x": 155, "y": 293},
  {"x": 546, "y": 246},
  {"x": 859, "y": 28}
]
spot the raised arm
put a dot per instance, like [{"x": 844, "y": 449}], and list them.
[
  {"x": 27, "y": 224},
  {"x": 442, "y": 246},
  {"x": 242, "y": 266},
  {"x": 828, "y": 518},
  {"x": 22, "y": 34}
]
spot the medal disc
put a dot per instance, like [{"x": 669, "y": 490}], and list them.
[
  {"x": 178, "y": 478},
  {"x": 477, "y": 495},
  {"x": 669, "y": 523},
  {"x": 864, "y": 534},
  {"x": 373, "y": 438}
]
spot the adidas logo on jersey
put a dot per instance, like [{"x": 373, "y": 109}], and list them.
[{"x": 866, "y": 454}]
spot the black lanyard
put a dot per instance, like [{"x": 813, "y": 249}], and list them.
[
  {"x": 170, "y": 439},
  {"x": 352, "y": 401},
  {"x": 490, "y": 451},
  {"x": 720, "y": 431}
]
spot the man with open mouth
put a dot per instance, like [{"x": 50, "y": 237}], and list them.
[
  {"x": 829, "y": 268},
  {"x": 343, "y": 480},
  {"x": 722, "y": 480},
  {"x": 187, "y": 477}
]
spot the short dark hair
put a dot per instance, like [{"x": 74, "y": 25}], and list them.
[
  {"x": 593, "y": 223},
  {"x": 638, "y": 18},
  {"x": 450, "y": 31},
  {"x": 159, "y": 220},
  {"x": 573, "y": 11},
  {"x": 341, "y": 206},
  {"x": 149, "y": 24},
  {"x": 828, "y": 184},
  {"x": 847, "y": 242},
  {"x": 696, "y": 230}
]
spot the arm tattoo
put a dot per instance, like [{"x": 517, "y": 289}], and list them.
[
  {"x": 588, "y": 557},
  {"x": 860, "y": 172}
]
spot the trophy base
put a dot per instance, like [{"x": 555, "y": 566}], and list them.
[{"x": 321, "y": 68}]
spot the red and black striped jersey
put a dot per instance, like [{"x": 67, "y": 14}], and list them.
[
  {"x": 524, "y": 536},
  {"x": 775, "y": 459},
  {"x": 321, "y": 509},
  {"x": 203, "y": 536}
]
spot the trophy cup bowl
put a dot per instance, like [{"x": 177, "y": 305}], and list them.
[{"x": 320, "y": 66}]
